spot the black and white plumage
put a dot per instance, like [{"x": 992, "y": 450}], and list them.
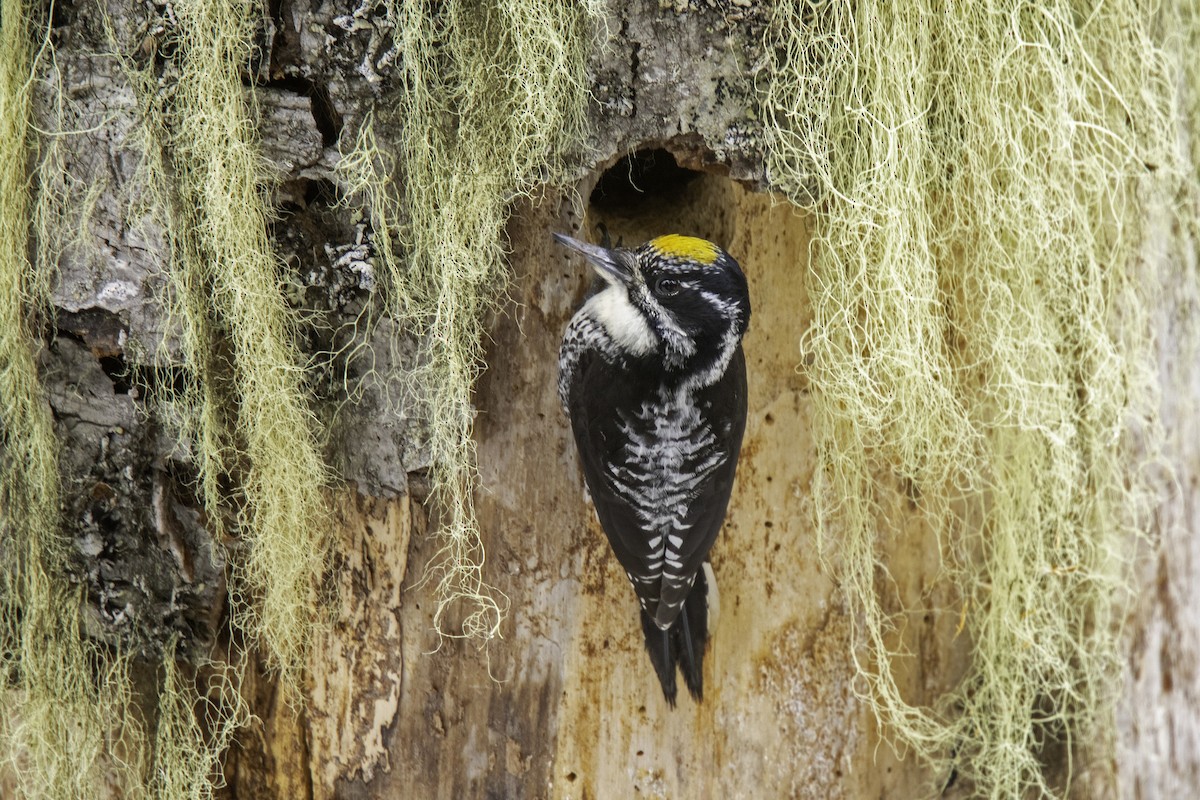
[{"x": 652, "y": 376}]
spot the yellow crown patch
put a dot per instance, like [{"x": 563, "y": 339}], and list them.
[{"x": 687, "y": 248}]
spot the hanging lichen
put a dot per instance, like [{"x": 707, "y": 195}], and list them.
[
  {"x": 246, "y": 416},
  {"x": 59, "y": 693},
  {"x": 241, "y": 412},
  {"x": 69, "y": 726},
  {"x": 193, "y": 732},
  {"x": 492, "y": 99},
  {"x": 980, "y": 173}
]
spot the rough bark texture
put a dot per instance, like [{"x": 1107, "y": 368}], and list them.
[{"x": 565, "y": 703}]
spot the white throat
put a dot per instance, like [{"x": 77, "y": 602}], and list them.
[{"x": 624, "y": 323}]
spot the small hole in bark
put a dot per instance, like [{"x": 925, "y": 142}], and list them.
[
  {"x": 118, "y": 372},
  {"x": 322, "y": 192}
]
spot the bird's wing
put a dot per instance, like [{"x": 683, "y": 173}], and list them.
[{"x": 635, "y": 524}]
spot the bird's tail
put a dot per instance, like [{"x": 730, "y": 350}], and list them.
[{"x": 682, "y": 644}]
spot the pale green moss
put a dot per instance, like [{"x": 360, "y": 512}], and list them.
[
  {"x": 980, "y": 338},
  {"x": 59, "y": 694},
  {"x": 493, "y": 99},
  {"x": 248, "y": 417},
  {"x": 494, "y": 133},
  {"x": 193, "y": 732}
]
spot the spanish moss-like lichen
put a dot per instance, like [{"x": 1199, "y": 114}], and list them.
[
  {"x": 69, "y": 724},
  {"x": 247, "y": 417},
  {"x": 59, "y": 694},
  {"x": 492, "y": 100},
  {"x": 70, "y": 728},
  {"x": 979, "y": 174},
  {"x": 193, "y": 732}
]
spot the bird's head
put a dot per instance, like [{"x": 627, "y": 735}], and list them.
[{"x": 678, "y": 298}]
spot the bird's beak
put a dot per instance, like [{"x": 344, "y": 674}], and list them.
[{"x": 607, "y": 263}]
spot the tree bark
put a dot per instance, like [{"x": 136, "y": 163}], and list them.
[{"x": 564, "y": 703}]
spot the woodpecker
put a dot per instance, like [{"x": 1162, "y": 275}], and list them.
[{"x": 652, "y": 377}]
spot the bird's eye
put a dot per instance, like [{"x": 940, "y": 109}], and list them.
[{"x": 666, "y": 287}]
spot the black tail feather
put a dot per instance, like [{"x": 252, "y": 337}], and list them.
[
  {"x": 692, "y": 630},
  {"x": 683, "y": 643},
  {"x": 658, "y": 644}
]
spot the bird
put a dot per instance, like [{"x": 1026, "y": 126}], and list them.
[{"x": 653, "y": 380}]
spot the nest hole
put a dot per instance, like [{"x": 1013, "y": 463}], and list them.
[{"x": 647, "y": 193}]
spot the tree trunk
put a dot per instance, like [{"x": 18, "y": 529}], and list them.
[{"x": 564, "y": 702}]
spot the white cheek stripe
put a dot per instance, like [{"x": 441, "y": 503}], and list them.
[
  {"x": 624, "y": 323},
  {"x": 680, "y": 346}
]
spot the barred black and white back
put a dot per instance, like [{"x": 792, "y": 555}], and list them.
[{"x": 653, "y": 379}]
